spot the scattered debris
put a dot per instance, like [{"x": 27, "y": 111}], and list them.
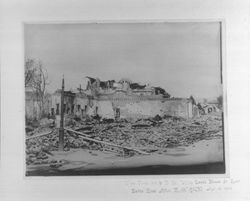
[
  {"x": 39, "y": 135},
  {"x": 125, "y": 137},
  {"x": 106, "y": 143}
]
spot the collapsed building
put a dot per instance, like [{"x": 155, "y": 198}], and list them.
[
  {"x": 155, "y": 126},
  {"x": 123, "y": 99}
]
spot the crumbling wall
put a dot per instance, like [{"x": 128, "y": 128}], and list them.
[
  {"x": 80, "y": 106},
  {"x": 55, "y": 103},
  {"x": 123, "y": 105},
  {"x": 177, "y": 107},
  {"x": 92, "y": 108},
  {"x": 137, "y": 108},
  {"x": 149, "y": 108},
  {"x": 105, "y": 109}
]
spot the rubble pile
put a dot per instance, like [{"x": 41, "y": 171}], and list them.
[
  {"x": 149, "y": 134},
  {"x": 157, "y": 132},
  {"x": 38, "y": 149}
]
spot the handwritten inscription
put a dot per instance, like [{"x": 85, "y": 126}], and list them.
[{"x": 181, "y": 186}]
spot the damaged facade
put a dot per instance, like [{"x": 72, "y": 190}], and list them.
[{"x": 123, "y": 99}]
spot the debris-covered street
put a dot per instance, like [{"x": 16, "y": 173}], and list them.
[{"x": 152, "y": 136}]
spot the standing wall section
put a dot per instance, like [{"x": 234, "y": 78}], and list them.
[{"x": 144, "y": 108}]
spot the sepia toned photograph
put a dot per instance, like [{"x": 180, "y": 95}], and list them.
[{"x": 124, "y": 98}]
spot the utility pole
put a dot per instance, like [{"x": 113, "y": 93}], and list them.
[{"x": 61, "y": 129}]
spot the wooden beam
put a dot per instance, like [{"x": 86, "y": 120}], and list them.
[
  {"x": 77, "y": 132},
  {"x": 39, "y": 135},
  {"x": 106, "y": 143}
]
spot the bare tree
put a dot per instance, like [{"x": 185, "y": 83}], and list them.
[
  {"x": 29, "y": 72},
  {"x": 36, "y": 78}
]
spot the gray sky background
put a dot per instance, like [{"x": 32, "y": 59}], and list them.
[{"x": 183, "y": 58}]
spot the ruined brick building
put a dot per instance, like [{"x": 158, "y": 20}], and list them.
[{"x": 123, "y": 99}]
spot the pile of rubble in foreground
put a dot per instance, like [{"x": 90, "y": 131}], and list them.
[{"x": 149, "y": 135}]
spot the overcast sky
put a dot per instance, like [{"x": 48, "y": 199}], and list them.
[{"x": 183, "y": 58}]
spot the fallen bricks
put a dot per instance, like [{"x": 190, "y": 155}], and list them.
[
  {"x": 106, "y": 143},
  {"x": 148, "y": 135}
]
